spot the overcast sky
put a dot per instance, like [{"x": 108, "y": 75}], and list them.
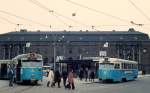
[{"x": 95, "y": 15}]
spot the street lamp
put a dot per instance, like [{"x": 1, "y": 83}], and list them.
[
  {"x": 54, "y": 65},
  {"x": 10, "y": 46},
  {"x": 80, "y": 55},
  {"x": 55, "y": 45},
  {"x": 54, "y": 56},
  {"x": 106, "y": 45},
  {"x": 141, "y": 52},
  {"x": 28, "y": 44}
]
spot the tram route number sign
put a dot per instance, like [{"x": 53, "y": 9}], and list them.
[{"x": 32, "y": 56}]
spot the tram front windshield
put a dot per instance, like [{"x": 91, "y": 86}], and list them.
[
  {"x": 106, "y": 66},
  {"x": 32, "y": 63}
]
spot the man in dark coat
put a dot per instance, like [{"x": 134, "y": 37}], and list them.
[
  {"x": 11, "y": 77},
  {"x": 64, "y": 75},
  {"x": 81, "y": 74},
  {"x": 92, "y": 76},
  {"x": 57, "y": 78}
]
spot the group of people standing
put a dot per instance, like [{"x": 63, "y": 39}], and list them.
[
  {"x": 87, "y": 74},
  {"x": 55, "y": 77}
]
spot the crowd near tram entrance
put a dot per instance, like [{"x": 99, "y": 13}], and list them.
[{"x": 77, "y": 65}]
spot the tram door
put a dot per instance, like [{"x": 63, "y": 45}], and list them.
[
  {"x": 3, "y": 71},
  {"x": 18, "y": 71}
]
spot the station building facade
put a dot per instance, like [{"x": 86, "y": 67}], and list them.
[{"x": 74, "y": 45}]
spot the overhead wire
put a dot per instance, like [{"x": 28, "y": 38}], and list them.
[
  {"x": 97, "y": 11},
  {"x": 23, "y": 18},
  {"x": 140, "y": 10},
  {"x": 57, "y": 17},
  {"x": 109, "y": 15},
  {"x": 56, "y": 13},
  {"x": 8, "y": 21},
  {"x": 37, "y": 3},
  {"x": 51, "y": 11}
]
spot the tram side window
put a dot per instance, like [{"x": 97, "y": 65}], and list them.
[
  {"x": 134, "y": 66},
  {"x": 125, "y": 66},
  {"x": 129, "y": 66},
  {"x": 122, "y": 66},
  {"x": 117, "y": 66}
]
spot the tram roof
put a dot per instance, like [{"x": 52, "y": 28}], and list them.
[
  {"x": 25, "y": 31},
  {"x": 25, "y": 55},
  {"x": 116, "y": 60},
  {"x": 75, "y": 61}
]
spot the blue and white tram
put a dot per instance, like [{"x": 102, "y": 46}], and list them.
[
  {"x": 117, "y": 70},
  {"x": 28, "y": 67}
]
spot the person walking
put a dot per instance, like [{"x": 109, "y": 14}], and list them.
[
  {"x": 64, "y": 76},
  {"x": 11, "y": 76},
  {"x": 57, "y": 79},
  {"x": 89, "y": 76},
  {"x": 86, "y": 74},
  {"x": 81, "y": 74},
  {"x": 92, "y": 76},
  {"x": 71, "y": 80},
  {"x": 50, "y": 77}
]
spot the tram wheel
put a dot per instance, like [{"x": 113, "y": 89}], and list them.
[
  {"x": 124, "y": 80},
  {"x": 35, "y": 82}
]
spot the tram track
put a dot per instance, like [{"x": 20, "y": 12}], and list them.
[
  {"x": 23, "y": 90},
  {"x": 16, "y": 89},
  {"x": 4, "y": 88}
]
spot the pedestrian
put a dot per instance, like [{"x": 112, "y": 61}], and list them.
[
  {"x": 57, "y": 78},
  {"x": 143, "y": 72},
  {"x": 50, "y": 77},
  {"x": 81, "y": 74},
  {"x": 92, "y": 76},
  {"x": 11, "y": 76},
  {"x": 64, "y": 76},
  {"x": 86, "y": 74},
  {"x": 89, "y": 72},
  {"x": 71, "y": 84}
]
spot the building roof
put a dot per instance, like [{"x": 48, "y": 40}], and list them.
[{"x": 24, "y": 35}]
